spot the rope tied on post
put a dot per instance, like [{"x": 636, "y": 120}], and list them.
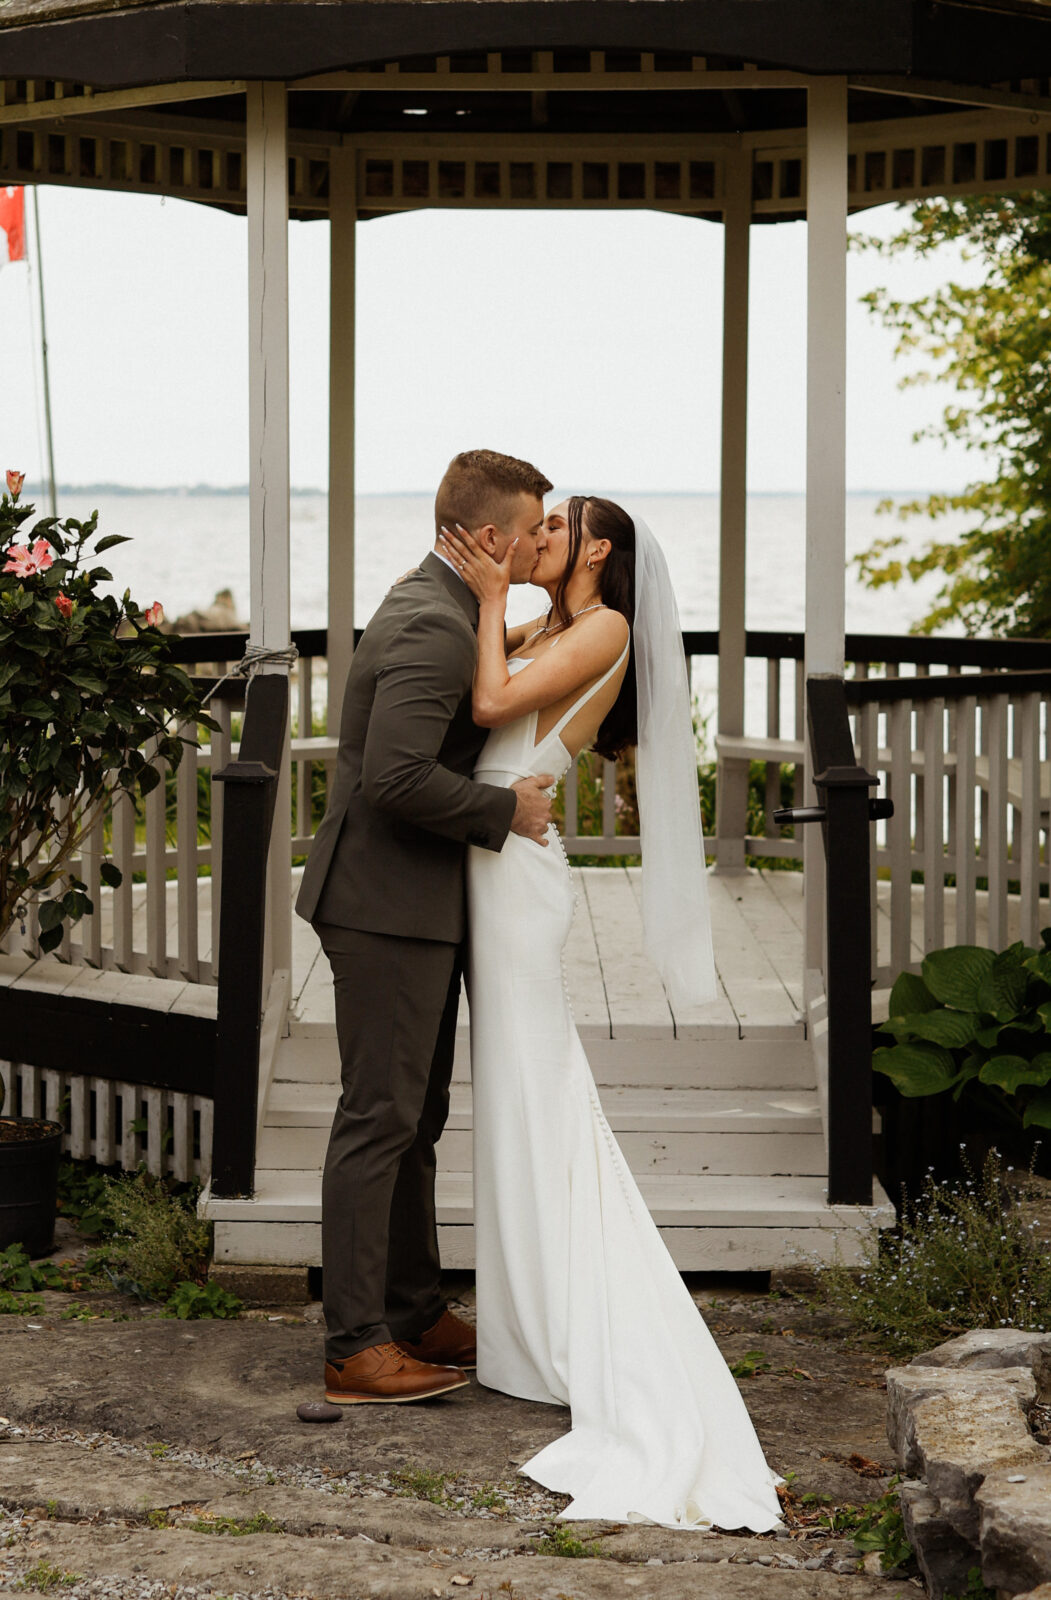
[{"x": 255, "y": 656}]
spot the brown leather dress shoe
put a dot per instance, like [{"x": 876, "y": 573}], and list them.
[
  {"x": 450, "y": 1342},
  {"x": 383, "y": 1374}
]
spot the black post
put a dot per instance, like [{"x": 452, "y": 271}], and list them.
[
  {"x": 843, "y": 786},
  {"x": 248, "y": 814}
]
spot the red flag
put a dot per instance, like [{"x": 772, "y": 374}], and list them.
[{"x": 13, "y": 221}]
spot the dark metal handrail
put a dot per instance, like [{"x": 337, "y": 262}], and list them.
[
  {"x": 876, "y": 648},
  {"x": 248, "y": 815},
  {"x": 845, "y": 813}
]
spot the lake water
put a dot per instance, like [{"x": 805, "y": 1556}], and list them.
[{"x": 188, "y": 546}]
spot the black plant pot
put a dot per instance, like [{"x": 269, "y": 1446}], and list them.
[{"x": 29, "y": 1154}]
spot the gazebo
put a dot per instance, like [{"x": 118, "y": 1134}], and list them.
[{"x": 714, "y": 109}]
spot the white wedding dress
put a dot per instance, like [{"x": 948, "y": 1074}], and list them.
[{"x": 579, "y": 1302}]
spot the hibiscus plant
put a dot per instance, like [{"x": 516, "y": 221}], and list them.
[{"x": 89, "y": 700}]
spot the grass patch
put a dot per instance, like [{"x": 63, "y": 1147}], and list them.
[
  {"x": 44, "y": 1577},
  {"x": 751, "y": 1363},
  {"x": 488, "y": 1498},
  {"x": 19, "y": 1305},
  {"x": 193, "y": 1302},
  {"x": 961, "y": 1257},
  {"x": 236, "y": 1527},
  {"x": 560, "y": 1542},
  {"x": 420, "y": 1483}
]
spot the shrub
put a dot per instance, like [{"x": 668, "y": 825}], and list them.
[
  {"x": 960, "y": 1258},
  {"x": 157, "y": 1239},
  {"x": 976, "y": 1023}
]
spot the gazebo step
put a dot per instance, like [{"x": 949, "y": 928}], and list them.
[
  {"x": 725, "y": 1062},
  {"x": 711, "y": 1223},
  {"x": 660, "y": 1130}
]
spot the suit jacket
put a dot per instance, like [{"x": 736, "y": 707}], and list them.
[{"x": 389, "y": 855}]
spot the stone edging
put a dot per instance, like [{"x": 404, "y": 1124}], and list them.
[{"x": 979, "y": 1484}]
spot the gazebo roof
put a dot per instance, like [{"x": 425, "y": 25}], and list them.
[{"x": 119, "y": 43}]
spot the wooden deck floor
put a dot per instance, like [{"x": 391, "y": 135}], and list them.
[{"x": 615, "y": 990}]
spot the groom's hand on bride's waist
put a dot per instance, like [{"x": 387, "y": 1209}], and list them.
[{"x": 532, "y": 807}]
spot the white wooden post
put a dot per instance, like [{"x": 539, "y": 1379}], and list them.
[
  {"x": 825, "y": 435},
  {"x": 342, "y": 313},
  {"x": 732, "y": 795},
  {"x": 267, "y": 186}
]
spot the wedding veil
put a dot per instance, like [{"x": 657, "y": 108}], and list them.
[{"x": 676, "y": 920}]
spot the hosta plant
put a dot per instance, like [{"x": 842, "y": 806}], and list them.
[
  {"x": 976, "y": 1021},
  {"x": 88, "y": 697}
]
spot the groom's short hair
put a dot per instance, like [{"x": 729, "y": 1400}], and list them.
[{"x": 479, "y": 486}]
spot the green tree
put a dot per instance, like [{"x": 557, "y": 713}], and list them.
[{"x": 992, "y": 341}]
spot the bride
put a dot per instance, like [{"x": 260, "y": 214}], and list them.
[{"x": 579, "y": 1302}]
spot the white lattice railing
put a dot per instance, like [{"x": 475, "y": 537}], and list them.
[{"x": 968, "y": 766}]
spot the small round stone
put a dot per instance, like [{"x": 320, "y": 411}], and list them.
[{"x": 318, "y": 1411}]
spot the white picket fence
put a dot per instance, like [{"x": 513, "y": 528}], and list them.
[{"x": 120, "y": 1124}]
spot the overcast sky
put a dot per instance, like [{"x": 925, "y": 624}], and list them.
[{"x": 588, "y": 343}]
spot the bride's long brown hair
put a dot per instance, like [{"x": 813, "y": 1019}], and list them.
[{"x": 603, "y": 519}]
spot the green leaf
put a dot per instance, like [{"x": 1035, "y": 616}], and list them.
[
  {"x": 1012, "y": 1073},
  {"x": 954, "y": 976},
  {"x": 50, "y": 939},
  {"x": 149, "y": 778},
  {"x": 1038, "y": 1112},
  {"x": 110, "y": 540},
  {"x": 1040, "y": 966},
  {"x": 1002, "y": 990},
  {"x": 910, "y": 994},
  {"x": 51, "y": 914},
  {"x": 916, "y": 1069},
  {"x": 86, "y": 680},
  {"x": 954, "y": 1029},
  {"x": 111, "y": 875}
]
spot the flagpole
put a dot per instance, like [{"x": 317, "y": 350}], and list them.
[{"x": 43, "y": 350}]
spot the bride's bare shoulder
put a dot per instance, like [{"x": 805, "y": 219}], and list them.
[{"x": 608, "y": 630}]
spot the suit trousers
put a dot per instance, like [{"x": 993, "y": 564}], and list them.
[{"x": 396, "y": 1006}]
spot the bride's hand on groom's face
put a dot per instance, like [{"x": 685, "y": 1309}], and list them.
[{"x": 487, "y": 578}]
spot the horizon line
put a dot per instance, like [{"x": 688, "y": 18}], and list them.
[{"x": 242, "y": 490}]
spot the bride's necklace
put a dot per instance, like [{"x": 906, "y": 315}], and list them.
[{"x": 553, "y": 627}]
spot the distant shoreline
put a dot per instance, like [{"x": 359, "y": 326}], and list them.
[{"x": 240, "y": 491}]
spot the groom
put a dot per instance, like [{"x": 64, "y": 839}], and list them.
[{"x": 385, "y": 889}]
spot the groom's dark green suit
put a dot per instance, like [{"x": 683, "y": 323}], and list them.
[{"x": 385, "y": 888}]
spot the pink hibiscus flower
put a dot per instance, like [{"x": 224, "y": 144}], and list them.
[
  {"x": 24, "y": 560},
  {"x": 65, "y": 605},
  {"x": 15, "y": 480},
  {"x": 154, "y": 615}
]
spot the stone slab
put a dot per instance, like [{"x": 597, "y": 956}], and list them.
[
  {"x": 994, "y": 1348},
  {"x": 953, "y": 1426},
  {"x": 333, "y": 1568},
  {"x": 1015, "y": 1527},
  {"x": 942, "y": 1556}
]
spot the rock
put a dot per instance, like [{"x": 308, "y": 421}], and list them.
[
  {"x": 318, "y": 1411},
  {"x": 953, "y": 1425},
  {"x": 985, "y": 1348},
  {"x": 942, "y": 1555},
  {"x": 1042, "y": 1592},
  {"x": 1015, "y": 1528}
]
